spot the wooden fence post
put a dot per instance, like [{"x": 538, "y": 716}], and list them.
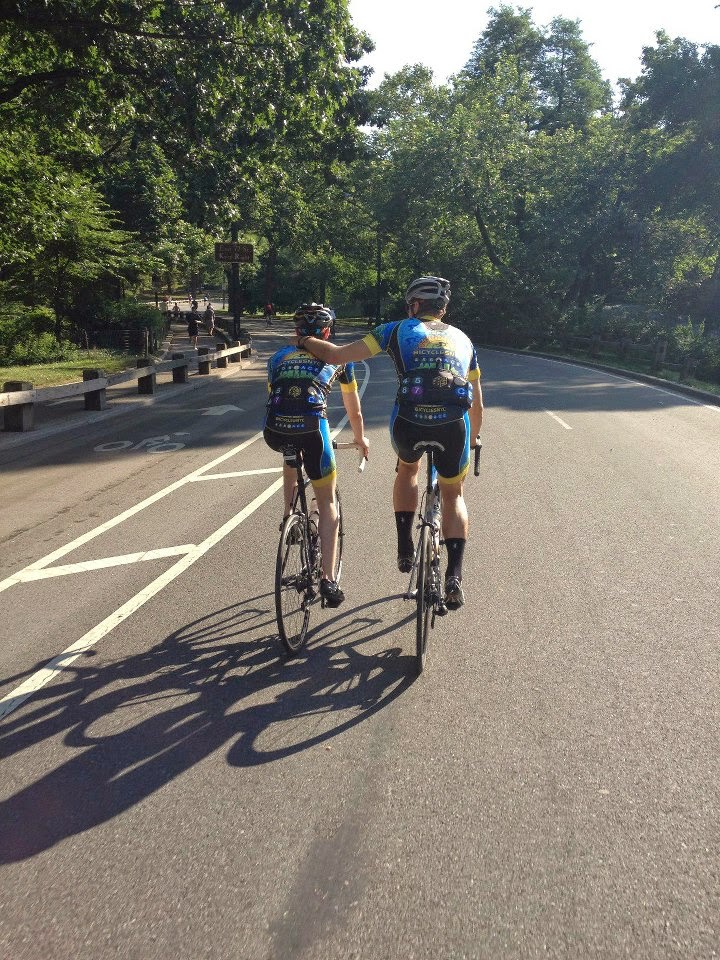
[
  {"x": 147, "y": 383},
  {"x": 180, "y": 374},
  {"x": 203, "y": 360},
  {"x": 95, "y": 399},
  {"x": 20, "y": 416}
]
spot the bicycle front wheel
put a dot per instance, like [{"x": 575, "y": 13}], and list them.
[
  {"x": 293, "y": 584},
  {"x": 422, "y": 599}
]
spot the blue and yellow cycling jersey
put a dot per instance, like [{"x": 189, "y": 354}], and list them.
[
  {"x": 436, "y": 368},
  {"x": 298, "y": 385}
]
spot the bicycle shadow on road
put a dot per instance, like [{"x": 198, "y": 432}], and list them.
[{"x": 137, "y": 723}]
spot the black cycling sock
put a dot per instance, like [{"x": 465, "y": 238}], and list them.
[
  {"x": 404, "y": 523},
  {"x": 455, "y": 549}
]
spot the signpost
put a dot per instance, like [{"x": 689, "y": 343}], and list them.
[{"x": 234, "y": 252}]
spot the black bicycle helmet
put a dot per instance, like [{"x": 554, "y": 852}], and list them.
[
  {"x": 311, "y": 319},
  {"x": 429, "y": 288}
]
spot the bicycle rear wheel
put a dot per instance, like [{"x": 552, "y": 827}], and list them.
[
  {"x": 293, "y": 584},
  {"x": 422, "y": 600}
]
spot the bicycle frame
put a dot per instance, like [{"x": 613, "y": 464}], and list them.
[
  {"x": 425, "y": 586},
  {"x": 430, "y": 514}
]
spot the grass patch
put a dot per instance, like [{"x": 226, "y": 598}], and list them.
[
  {"x": 634, "y": 366},
  {"x": 68, "y": 371}
]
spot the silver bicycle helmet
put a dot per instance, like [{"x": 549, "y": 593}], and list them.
[
  {"x": 311, "y": 319},
  {"x": 429, "y": 288}
]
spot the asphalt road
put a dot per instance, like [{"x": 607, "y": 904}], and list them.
[{"x": 173, "y": 788}]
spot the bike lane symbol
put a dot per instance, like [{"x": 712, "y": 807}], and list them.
[{"x": 162, "y": 444}]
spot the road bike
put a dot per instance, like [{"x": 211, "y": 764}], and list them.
[
  {"x": 425, "y": 586},
  {"x": 298, "y": 567}
]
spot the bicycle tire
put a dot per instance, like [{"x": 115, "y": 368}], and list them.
[
  {"x": 422, "y": 600},
  {"x": 337, "y": 572},
  {"x": 293, "y": 584}
]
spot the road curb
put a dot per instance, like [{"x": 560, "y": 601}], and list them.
[
  {"x": 670, "y": 385},
  {"x": 81, "y": 419}
]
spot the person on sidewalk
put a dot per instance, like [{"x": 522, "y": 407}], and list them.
[
  {"x": 193, "y": 328},
  {"x": 209, "y": 319}
]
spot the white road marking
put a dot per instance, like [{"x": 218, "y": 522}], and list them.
[
  {"x": 625, "y": 379},
  {"x": 121, "y": 517},
  {"x": 238, "y": 473},
  {"x": 219, "y": 411},
  {"x": 103, "y": 563},
  {"x": 557, "y": 418},
  {"x": 40, "y": 678}
]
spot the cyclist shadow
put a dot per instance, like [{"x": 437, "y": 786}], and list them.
[
  {"x": 137, "y": 723},
  {"x": 340, "y": 675}
]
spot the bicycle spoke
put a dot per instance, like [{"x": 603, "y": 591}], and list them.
[{"x": 294, "y": 591}]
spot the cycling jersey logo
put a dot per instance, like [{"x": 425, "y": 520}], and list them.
[
  {"x": 441, "y": 381},
  {"x": 294, "y": 392},
  {"x": 433, "y": 343}
]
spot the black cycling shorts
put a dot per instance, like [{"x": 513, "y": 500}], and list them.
[
  {"x": 452, "y": 461},
  {"x": 317, "y": 450}
]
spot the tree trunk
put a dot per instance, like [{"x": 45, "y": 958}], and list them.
[
  {"x": 270, "y": 273},
  {"x": 487, "y": 240}
]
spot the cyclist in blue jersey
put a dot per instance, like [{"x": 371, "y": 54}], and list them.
[
  {"x": 298, "y": 385},
  {"x": 439, "y": 398}
]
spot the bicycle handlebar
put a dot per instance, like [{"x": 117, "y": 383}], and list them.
[
  {"x": 350, "y": 446},
  {"x": 478, "y": 448}
]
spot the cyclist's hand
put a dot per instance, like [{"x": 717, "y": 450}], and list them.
[
  {"x": 477, "y": 442},
  {"x": 363, "y": 444}
]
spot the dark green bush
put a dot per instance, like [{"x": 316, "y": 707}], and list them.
[{"x": 41, "y": 349}]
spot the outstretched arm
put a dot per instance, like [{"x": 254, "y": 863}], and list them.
[
  {"x": 476, "y": 411},
  {"x": 332, "y": 353},
  {"x": 351, "y": 399}
]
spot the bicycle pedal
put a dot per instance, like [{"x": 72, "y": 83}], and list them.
[{"x": 442, "y": 610}]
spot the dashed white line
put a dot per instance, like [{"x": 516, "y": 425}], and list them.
[{"x": 558, "y": 419}]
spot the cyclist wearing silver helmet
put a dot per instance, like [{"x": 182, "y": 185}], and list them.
[
  {"x": 439, "y": 398},
  {"x": 298, "y": 385}
]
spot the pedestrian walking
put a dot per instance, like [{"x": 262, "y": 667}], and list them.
[
  {"x": 209, "y": 319},
  {"x": 193, "y": 328}
]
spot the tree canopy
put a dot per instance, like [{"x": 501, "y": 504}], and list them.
[{"x": 139, "y": 130}]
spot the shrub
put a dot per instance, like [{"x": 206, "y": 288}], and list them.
[
  {"x": 41, "y": 349},
  {"x": 20, "y": 325},
  {"x": 129, "y": 314}
]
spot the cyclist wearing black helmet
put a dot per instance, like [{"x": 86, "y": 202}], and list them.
[
  {"x": 439, "y": 398},
  {"x": 298, "y": 385}
]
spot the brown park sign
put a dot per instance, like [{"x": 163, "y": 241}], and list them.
[{"x": 234, "y": 252}]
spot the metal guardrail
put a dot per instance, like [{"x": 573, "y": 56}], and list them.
[{"x": 19, "y": 397}]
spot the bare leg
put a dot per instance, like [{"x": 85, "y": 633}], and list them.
[
  {"x": 405, "y": 488},
  {"x": 328, "y": 526},
  {"x": 454, "y": 511},
  {"x": 289, "y": 484}
]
